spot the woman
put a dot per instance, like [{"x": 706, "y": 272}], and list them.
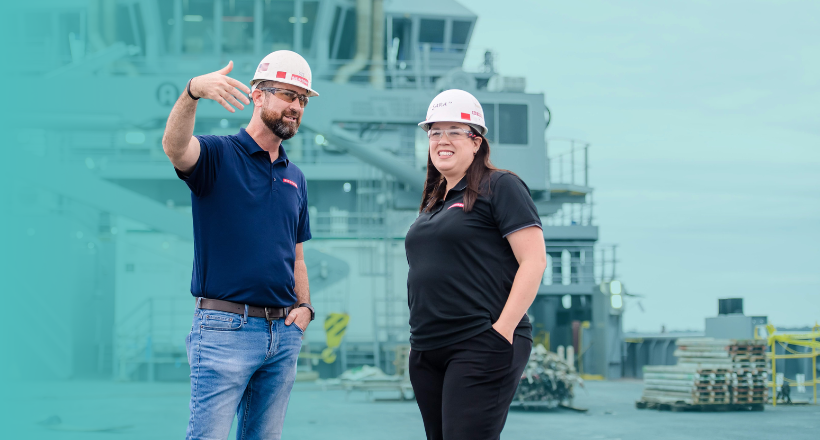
[{"x": 476, "y": 255}]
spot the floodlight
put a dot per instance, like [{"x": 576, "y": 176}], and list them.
[{"x": 616, "y": 301}]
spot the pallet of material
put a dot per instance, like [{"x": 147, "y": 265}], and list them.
[
  {"x": 756, "y": 399},
  {"x": 711, "y": 373},
  {"x": 739, "y": 345},
  {"x": 758, "y": 379},
  {"x": 755, "y": 364}
]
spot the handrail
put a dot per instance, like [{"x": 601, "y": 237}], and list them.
[
  {"x": 558, "y": 162},
  {"x": 601, "y": 269}
]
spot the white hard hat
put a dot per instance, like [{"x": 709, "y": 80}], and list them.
[
  {"x": 455, "y": 106},
  {"x": 284, "y": 66}
]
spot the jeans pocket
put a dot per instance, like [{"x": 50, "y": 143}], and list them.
[
  {"x": 298, "y": 329},
  {"x": 220, "y": 321}
]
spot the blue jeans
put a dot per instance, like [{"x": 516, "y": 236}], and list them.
[{"x": 244, "y": 366}]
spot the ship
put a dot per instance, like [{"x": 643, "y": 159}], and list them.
[{"x": 116, "y": 221}]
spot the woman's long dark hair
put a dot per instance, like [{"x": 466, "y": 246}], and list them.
[{"x": 478, "y": 175}]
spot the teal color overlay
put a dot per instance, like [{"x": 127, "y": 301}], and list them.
[{"x": 705, "y": 116}]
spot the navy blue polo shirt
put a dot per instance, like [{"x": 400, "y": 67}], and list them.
[{"x": 249, "y": 214}]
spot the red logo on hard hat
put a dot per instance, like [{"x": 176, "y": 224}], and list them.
[
  {"x": 456, "y": 205},
  {"x": 478, "y": 114},
  {"x": 263, "y": 67},
  {"x": 281, "y": 74},
  {"x": 465, "y": 116},
  {"x": 288, "y": 181},
  {"x": 301, "y": 79}
]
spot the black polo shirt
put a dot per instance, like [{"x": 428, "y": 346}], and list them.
[
  {"x": 461, "y": 265},
  {"x": 249, "y": 214}
]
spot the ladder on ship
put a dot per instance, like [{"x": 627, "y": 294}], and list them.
[{"x": 390, "y": 321}]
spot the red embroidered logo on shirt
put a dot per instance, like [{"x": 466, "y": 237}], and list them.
[
  {"x": 456, "y": 205},
  {"x": 290, "y": 182}
]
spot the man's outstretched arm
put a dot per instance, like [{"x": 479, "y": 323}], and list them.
[{"x": 178, "y": 141}]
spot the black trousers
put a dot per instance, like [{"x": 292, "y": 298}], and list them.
[{"x": 464, "y": 390}]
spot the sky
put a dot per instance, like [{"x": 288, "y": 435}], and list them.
[{"x": 705, "y": 131}]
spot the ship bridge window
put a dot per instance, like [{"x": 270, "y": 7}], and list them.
[
  {"x": 432, "y": 31},
  {"x": 461, "y": 32},
  {"x": 337, "y": 15},
  {"x": 507, "y": 123},
  {"x": 127, "y": 26},
  {"x": 309, "y": 12},
  {"x": 402, "y": 31},
  {"x": 343, "y": 43},
  {"x": 512, "y": 121},
  {"x": 69, "y": 24},
  {"x": 237, "y": 26},
  {"x": 198, "y": 26},
  {"x": 277, "y": 27}
]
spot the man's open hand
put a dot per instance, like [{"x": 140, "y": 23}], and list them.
[{"x": 221, "y": 88}]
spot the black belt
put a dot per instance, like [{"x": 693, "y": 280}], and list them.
[{"x": 268, "y": 313}]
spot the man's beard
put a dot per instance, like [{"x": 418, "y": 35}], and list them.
[{"x": 276, "y": 123}]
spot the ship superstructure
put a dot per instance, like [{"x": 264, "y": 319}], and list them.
[{"x": 377, "y": 65}]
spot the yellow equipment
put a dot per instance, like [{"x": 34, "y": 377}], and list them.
[
  {"x": 335, "y": 328},
  {"x": 805, "y": 340}
]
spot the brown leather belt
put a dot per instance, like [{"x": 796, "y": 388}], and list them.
[{"x": 268, "y": 313}]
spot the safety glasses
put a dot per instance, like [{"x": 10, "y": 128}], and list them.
[
  {"x": 453, "y": 134},
  {"x": 287, "y": 95}
]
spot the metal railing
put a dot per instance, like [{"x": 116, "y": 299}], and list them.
[
  {"x": 98, "y": 148},
  {"x": 606, "y": 263},
  {"x": 154, "y": 332},
  {"x": 568, "y": 161},
  {"x": 572, "y": 214},
  {"x": 346, "y": 224},
  {"x": 401, "y": 73},
  {"x": 580, "y": 265}
]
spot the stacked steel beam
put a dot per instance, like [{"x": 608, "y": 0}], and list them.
[{"x": 685, "y": 384}]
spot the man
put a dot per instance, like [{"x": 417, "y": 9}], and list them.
[{"x": 250, "y": 213}]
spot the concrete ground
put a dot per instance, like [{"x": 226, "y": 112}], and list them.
[{"x": 159, "y": 411}]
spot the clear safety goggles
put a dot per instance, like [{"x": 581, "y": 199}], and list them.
[{"x": 452, "y": 134}]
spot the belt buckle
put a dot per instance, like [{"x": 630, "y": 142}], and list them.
[{"x": 267, "y": 318}]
